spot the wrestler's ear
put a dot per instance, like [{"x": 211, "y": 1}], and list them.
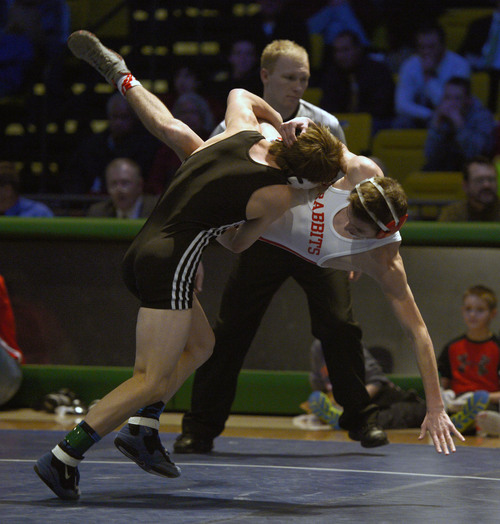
[
  {"x": 264, "y": 75},
  {"x": 392, "y": 227}
]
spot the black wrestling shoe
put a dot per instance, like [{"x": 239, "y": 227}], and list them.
[
  {"x": 369, "y": 435},
  {"x": 59, "y": 477},
  {"x": 186, "y": 443},
  {"x": 142, "y": 444}
]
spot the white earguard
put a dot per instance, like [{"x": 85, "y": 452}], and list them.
[{"x": 383, "y": 227}]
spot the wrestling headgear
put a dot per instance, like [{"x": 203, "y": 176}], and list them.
[{"x": 386, "y": 229}]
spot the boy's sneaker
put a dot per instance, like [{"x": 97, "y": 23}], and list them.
[
  {"x": 323, "y": 408},
  {"x": 88, "y": 47},
  {"x": 142, "y": 444},
  {"x": 488, "y": 423},
  {"x": 465, "y": 418},
  {"x": 60, "y": 478}
]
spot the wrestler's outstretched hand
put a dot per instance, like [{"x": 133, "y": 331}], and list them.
[
  {"x": 291, "y": 129},
  {"x": 441, "y": 428}
]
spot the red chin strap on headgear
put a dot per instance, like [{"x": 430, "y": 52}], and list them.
[{"x": 385, "y": 229}]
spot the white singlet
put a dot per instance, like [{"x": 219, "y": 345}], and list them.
[{"x": 307, "y": 229}]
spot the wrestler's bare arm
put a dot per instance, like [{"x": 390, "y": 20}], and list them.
[
  {"x": 244, "y": 110},
  {"x": 386, "y": 267},
  {"x": 160, "y": 122},
  {"x": 264, "y": 207}
]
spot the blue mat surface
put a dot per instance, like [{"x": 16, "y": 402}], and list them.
[{"x": 258, "y": 480}]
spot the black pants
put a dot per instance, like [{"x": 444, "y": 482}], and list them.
[
  {"x": 399, "y": 409},
  {"x": 257, "y": 276}
]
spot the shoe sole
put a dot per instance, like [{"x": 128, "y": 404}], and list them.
[
  {"x": 192, "y": 450},
  {"x": 128, "y": 451},
  {"x": 371, "y": 444},
  {"x": 472, "y": 408},
  {"x": 84, "y": 43},
  {"x": 61, "y": 494},
  {"x": 375, "y": 444},
  {"x": 318, "y": 408}
]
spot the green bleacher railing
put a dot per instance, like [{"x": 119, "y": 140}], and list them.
[{"x": 472, "y": 234}]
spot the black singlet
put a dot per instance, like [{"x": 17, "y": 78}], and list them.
[{"x": 208, "y": 194}]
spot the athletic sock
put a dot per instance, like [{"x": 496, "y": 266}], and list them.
[
  {"x": 126, "y": 82},
  {"x": 148, "y": 416},
  {"x": 75, "y": 444}
]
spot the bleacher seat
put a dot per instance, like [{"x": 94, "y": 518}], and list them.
[
  {"x": 246, "y": 9},
  {"x": 85, "y": 13},
  {"x": 313, "y": 95},
  {"x": 98, "y": 126},
  {"x": 401, "y": 150},
  {"x": 316, "y": 51},
  {"x": 434, "y": 185},
  {"x": 358, "y": 131},
  {"x": 480, "y": 86},
  {"x": 456, "y": 21},
  {"x": 428, "y": 191}
]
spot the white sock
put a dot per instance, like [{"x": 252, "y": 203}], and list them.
[
  {"x": 488, "y": 422},
  {"x": 65, "y": 458},
  {"x": 144, "y": 421},
  {"x": 126, "y": 82}
]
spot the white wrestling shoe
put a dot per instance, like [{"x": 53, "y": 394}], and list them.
[{"x": 88, "y": 47}]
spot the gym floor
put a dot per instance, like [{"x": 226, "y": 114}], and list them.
[{"x": 262, "y": 469}]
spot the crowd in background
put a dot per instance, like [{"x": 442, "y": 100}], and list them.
[
  {"x": 413, "y": 81},
  {"x": 382, "y": 57}
]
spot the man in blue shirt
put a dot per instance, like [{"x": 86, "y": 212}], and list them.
[{"x": 11, "y": 203}]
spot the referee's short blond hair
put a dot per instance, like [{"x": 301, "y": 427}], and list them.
[{"x": 278, "y": 48}]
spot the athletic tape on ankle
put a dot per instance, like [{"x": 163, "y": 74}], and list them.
[
  {"x": 126, "y": 82},
  {"x": 143, "y": 421},
  {"x": 64, "y": 457}
]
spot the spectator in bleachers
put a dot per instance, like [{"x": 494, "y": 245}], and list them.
[
  {"x": 125, "y": 137},
  {"x": 399, "y": 20},
  {"x": 355, "y": 83},
  {"x": 4, "y": 10},
  {"x": 11, "y": 356},
  {"x": 480, "y": 186},
  {"x": 242, "y": 70},
  {"x": 12, "y": 204},
  {"x": 193, "y": 110},
  {"x": 460, "y": 128},
  {"x": 190, "y": 78},
  {"x": 275, "y": 20},
  {"x": 17, "y": 54},
  {"x": 125, "y": 185},
  {"x": 422, "y": 77},
  {"x": 481, "y": 45},
  {"x": 469, "y": 364},
  {"x": 46, "y": 25},
  {"x": 397, "y": 408},
  {"x": 335, "y": 17}
]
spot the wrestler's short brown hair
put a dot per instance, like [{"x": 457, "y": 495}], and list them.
[
  {"x": 316, "y": 155},
  {"x": 376, "y": 202}
]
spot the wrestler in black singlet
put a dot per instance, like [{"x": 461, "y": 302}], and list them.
[{"x": 208, "y": 194}]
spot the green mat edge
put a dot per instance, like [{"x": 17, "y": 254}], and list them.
[{"x": 260, "y": 392}]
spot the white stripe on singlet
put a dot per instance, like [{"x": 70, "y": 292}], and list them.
[{"x": 188, "y": 264}]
